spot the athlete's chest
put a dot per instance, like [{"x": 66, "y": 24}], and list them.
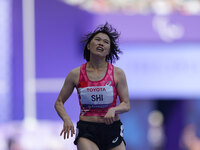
[
  {"x": 96, "y": 95},
  {"x": 96, "y": 75}
]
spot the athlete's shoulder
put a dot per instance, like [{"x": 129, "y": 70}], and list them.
[
  {"x": 118, "y": 70},
  {"x": 74, "y": 72},
  {"x": 74, "y": 75},
  {"x": 119, "y": 75}
]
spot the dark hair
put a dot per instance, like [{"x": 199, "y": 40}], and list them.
[{"x": 114, "y": 39}]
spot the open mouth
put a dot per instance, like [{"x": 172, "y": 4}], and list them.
[{"x": 100, "y": 49}]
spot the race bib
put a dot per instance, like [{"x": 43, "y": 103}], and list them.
[{"x": 96, "y": 96}]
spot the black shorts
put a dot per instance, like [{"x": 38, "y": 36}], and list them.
[{"x": 104, "y": 136}]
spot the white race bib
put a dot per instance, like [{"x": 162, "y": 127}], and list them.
[{"x": 96, "y": 96}]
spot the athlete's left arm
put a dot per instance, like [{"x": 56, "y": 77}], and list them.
[{"x": 122, "y": 89}]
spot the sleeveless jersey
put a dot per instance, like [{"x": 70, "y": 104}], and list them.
[{"x": 96, "y": 97}]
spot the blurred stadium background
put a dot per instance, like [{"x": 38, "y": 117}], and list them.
[{"x": 40, "y": 44}]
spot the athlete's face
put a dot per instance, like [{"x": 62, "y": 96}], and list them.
[{"x": 99, "y": 45}]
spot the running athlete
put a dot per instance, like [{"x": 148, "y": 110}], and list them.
[{"x": 98, "y": 84}]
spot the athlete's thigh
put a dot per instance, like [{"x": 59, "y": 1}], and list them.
[
  {"x": 119, "y": 147},
  {"x": 86, "y": 144}
]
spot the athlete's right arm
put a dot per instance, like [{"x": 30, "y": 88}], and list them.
[{"x": 66, "y": 91}]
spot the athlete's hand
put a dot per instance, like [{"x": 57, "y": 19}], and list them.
[
  {"x": 110, "y": 116},
  {"x": 67, "y": 128}
]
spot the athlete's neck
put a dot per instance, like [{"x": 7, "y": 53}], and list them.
[{"x": 97, "y": 64}]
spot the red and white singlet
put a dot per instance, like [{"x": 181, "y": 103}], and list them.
[{"x": 96, "y": 97}]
